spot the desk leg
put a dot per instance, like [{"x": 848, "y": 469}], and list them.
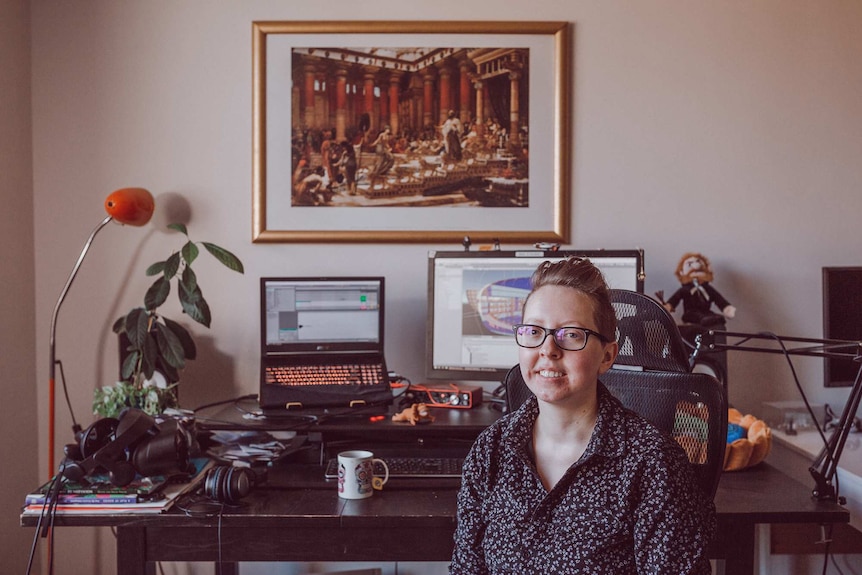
[
  {"x": 132, "y": 552},
  {"x": 739, "y": 552}
]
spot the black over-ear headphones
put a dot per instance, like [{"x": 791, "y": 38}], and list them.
[
  {"x": 134, "y": 443},
  {"x": 228, "y": 484}
]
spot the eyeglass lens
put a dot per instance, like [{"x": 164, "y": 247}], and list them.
[{"x": 568, "y": 338}]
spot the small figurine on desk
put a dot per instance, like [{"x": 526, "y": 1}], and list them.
[
  {"x": 697, "y": 294},
  {"x": 416, "y": 413}
]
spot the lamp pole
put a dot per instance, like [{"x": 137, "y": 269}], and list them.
[
  {"x": 128, "y": 206},
  {"x": 53, "y": 355}
]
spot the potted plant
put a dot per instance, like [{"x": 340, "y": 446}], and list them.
[{"x": 155, "y": 343}]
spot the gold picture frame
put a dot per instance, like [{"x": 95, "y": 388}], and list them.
[{"x": 324, "y": 86}]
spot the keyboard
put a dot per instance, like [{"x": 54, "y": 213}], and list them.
[
  {"x": 411, "y": 467},
  {"x": 325, "y": 374}
]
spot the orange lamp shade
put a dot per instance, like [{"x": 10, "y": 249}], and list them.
[{"x": 132, "y": 206}]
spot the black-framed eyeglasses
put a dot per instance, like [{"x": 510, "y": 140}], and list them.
[{"x": 567, "y": 338}]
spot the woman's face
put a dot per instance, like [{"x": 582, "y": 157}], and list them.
[{"x": 558, "y": 376}]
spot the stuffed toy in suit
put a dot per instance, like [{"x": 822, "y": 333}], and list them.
[{"x": 697, "y": 294}]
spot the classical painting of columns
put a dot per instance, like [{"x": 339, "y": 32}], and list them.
[
  {"x": 410, "y": 126},
  {"x": 390, "y": 117}
]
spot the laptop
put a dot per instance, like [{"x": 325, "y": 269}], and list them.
[{"x": 322, "y": 343}]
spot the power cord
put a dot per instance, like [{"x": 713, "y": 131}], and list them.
[
  {"x": 47, "y": 515},
  {"x": 76, "y": 427}
]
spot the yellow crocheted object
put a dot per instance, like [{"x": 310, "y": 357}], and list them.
[{"x": 751, "y": 449}]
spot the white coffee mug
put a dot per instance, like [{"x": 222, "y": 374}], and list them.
[{"x": 356, "y": 474}]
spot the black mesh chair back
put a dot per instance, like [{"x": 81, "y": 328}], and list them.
[
  {"x": 647, "y": 333},
  {"x": 690, "y": 407}
]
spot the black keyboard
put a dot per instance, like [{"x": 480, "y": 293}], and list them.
[
  {"x": 325, "y": 374},
  {"x": 411, "y": 467}
]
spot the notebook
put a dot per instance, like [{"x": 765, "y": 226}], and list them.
[{"x": 322, "y": 343}]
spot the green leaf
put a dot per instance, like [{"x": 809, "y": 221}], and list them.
[
  {"x": 109, "y": 401},
  {"x": 185, "y": 338},
  {"x": 155, "y": 269},
  {"x": 170, "y": 347},
  {"x": 158, "y": 293},
  {"x": 225, "y": 257},
  {"x": 151, "y": 353},
  {"x": 130, "y": 364},
  {"x": 136, "y": 327},
  {"x": 189, "y": 280},
  {"x": 190, "y": 252},
  {"x": 172, "y": 265},
  {"x": 170, "y": 372},
  {"x": 193, "y": 295},
  {"x": 195, "y": 306},
  {"x": 179, "y": 227},
  {"x": 119, "y": 325}
]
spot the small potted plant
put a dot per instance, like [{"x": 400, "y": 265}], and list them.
[{"x": 155, "y": 343}]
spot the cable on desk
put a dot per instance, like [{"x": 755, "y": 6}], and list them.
[
  {"x": 224, "y": 402},
  {"x": 197, "y": 499},
  {"x": 220, "y": 515},
  {"x": 306, "y": 420}
]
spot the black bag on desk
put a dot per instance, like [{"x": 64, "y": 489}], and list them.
[{"x": 322, "y": 343}]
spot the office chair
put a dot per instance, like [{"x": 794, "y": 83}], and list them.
[{"x": 652, "y": 378}]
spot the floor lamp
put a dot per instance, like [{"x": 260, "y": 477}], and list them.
[
  {"x": 825, "y": 466},
  {"x": 131, "y": 206}
]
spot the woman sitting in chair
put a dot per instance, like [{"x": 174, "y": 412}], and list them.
[{"x": 572, "y": 482}]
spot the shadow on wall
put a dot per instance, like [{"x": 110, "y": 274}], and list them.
[{"x": 209, "y": 378}]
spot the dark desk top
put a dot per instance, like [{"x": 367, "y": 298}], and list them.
[
  {"x": 344, "y": 422},
  {"x": 298, "y": 494},
  {"x": 763, "y": 494}
]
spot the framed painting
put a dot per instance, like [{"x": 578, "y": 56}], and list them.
[{"x": 411, "y": 131}]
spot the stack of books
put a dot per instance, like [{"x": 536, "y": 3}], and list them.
[{"x": 98, "y": 496}]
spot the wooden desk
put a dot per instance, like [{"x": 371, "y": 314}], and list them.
[{"x": 283, "y": 523}]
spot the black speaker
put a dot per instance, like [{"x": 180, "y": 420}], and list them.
[
  {"x": 842, "y": 319},
  {"x": 228, "y": 484}
]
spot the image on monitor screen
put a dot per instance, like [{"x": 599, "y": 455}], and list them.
[{"x": 474, "y": 298}]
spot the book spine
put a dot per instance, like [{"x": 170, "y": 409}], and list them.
[{"x": 84, "y": 499}]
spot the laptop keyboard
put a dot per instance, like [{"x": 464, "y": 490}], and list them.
[
  {"x": 325, "y": 374},
  {"x": 411, "y": 467}
]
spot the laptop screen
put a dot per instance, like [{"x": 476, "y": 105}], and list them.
[{"x": 321, "y": 315}]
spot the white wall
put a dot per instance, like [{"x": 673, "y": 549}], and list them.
[
  {"x": 18, "y": 424},
  {"x": 731, "y": 128}
]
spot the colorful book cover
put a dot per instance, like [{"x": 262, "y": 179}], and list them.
[
  {"x": 99, "y": 497},
  {"x": 98, "y": 490}
]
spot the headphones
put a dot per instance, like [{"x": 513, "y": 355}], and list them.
[
  {"x": 131, "y": 444},
  {"x": 228, "y": 484}
]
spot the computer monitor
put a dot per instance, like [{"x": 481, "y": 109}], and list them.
[
  {"x": 842, "y": 319},
  {"x": 475, "y": 297},
  {"x": 321, "y": 315}
]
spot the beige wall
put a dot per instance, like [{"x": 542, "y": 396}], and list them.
[
  {"x": 18, "y": 424},
  {"x": 731, "y": 128}
]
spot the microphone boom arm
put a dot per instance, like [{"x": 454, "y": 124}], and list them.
[{"x": 825, "y": 465}]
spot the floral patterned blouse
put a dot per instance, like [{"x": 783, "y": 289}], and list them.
[{"x": 630, "y": 504}]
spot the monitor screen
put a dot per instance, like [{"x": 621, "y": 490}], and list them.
[
  {"x": 475, "y": 297},
  {"x": 321, "y": 314},
  {"x": 842, "y": 319}
]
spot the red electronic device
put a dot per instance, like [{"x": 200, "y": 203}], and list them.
[{"x": 459, "y": 397}]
